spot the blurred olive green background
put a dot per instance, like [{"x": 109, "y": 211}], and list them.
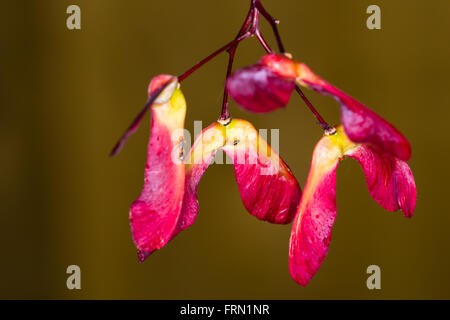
[{"x": 66, "y": 96}]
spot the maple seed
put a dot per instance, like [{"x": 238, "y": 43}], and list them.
[{"x": 168, "y": 203}]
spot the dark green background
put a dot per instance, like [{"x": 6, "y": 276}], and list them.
[{"x": 66, "y": 96}]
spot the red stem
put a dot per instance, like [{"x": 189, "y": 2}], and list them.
[
  {"x": 256, "y": 8},
  {"x": 212, "y": 55},
  {"x": 273, "y": 23},
  {"x": 225, "y": 115},
  {"x": 325, "y": 126}
]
